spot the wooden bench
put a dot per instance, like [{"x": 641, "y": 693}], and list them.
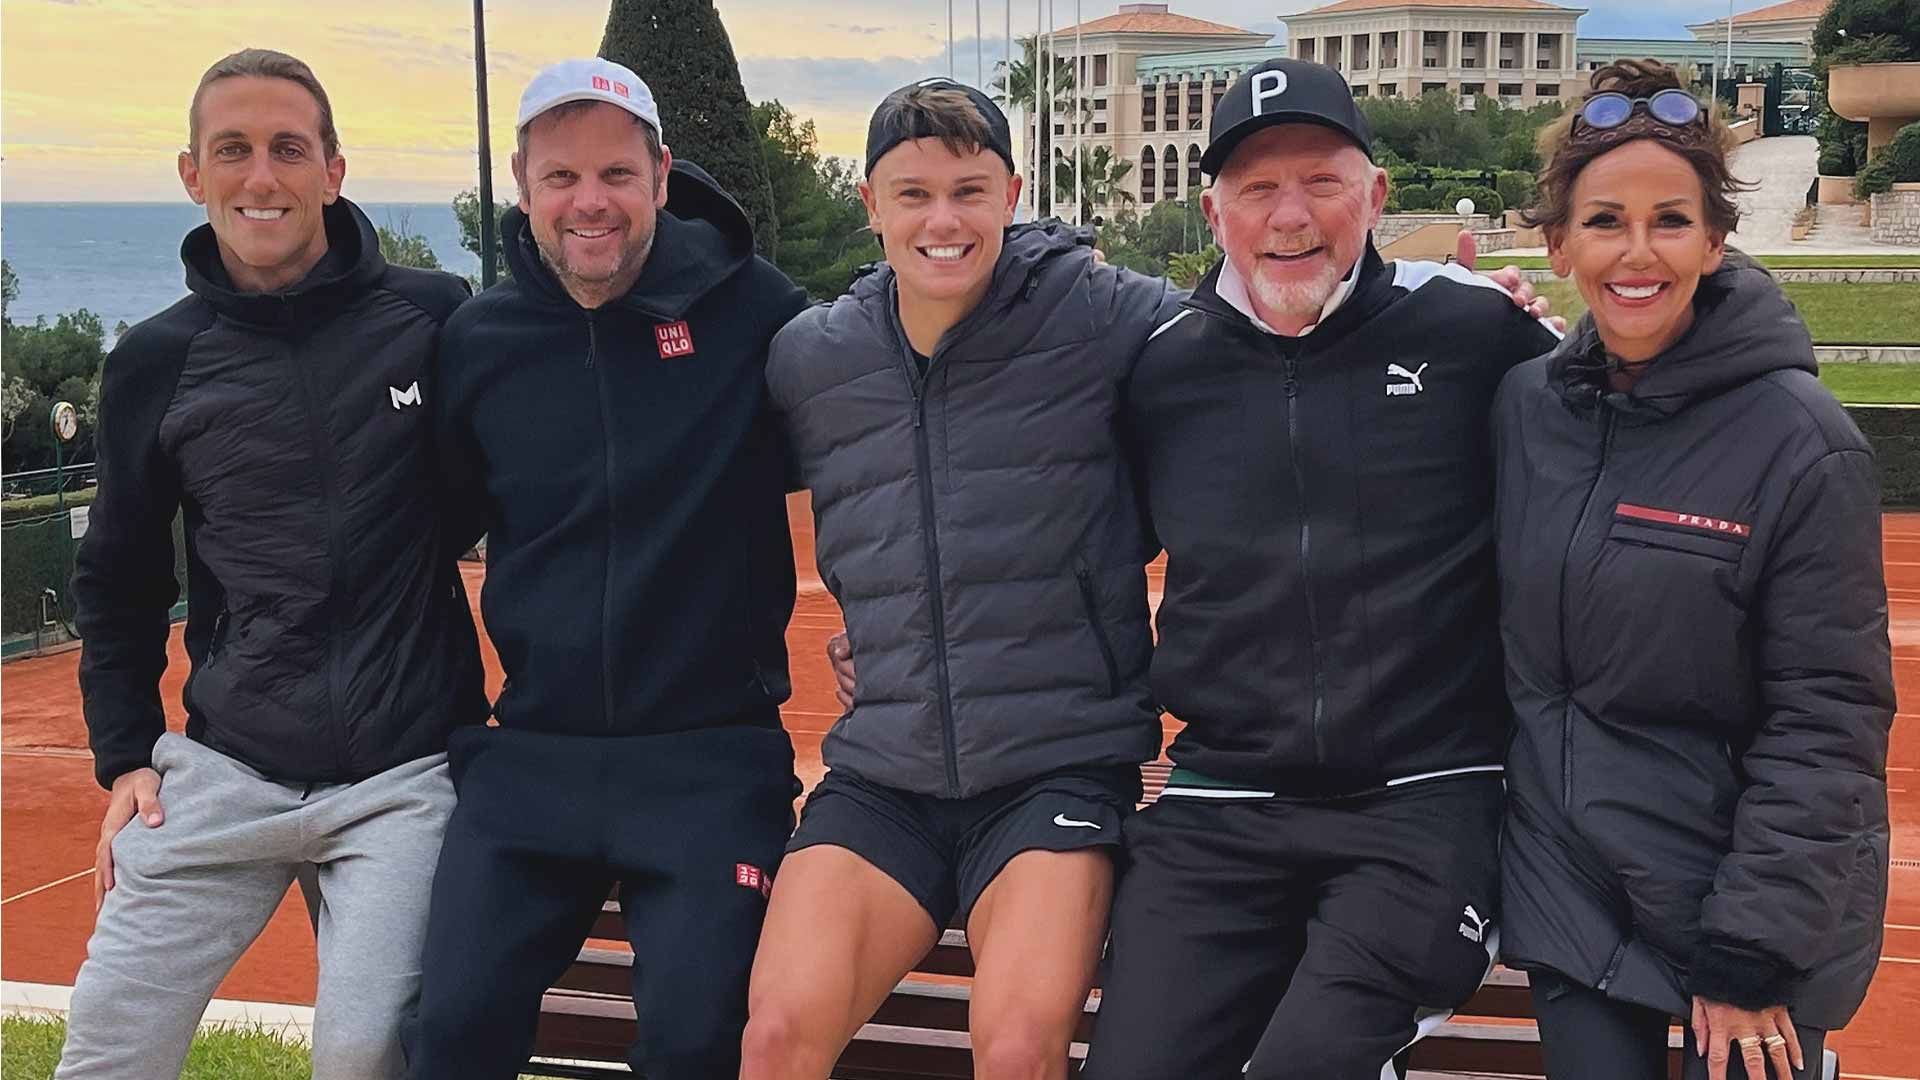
[{"x": 587, "y": 1019}]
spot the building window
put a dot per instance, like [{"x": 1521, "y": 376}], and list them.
[
  {"x": 1509, "y": 89},
  {"x": 1099, "y": 104},
  {"x": 1430, "y": 87},
  {"x": 1306, "y": 49},
  {"x": 1193, "y": 168},
  {"x": 1059, "y": 129},
  {"x": 1147, "y": 111},
  {"x": 1547, "y": 90},
  {"x": 1390, "y": 49},
  {"x": 1389, "y": 90},
  {"x": 1147, "y": 175},
  {"x": 1170, "y": 171},
  {"x": 1472, "y": 89},
  {"x": 1100, "y": 70},
  {"x": 1360, "y": 91},
  {"x": 1099, "y": 127}
]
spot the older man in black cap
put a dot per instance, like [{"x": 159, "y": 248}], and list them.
[{"x": 1316, "y": 887}]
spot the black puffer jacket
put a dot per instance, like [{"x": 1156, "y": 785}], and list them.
[
  {"x": 978, "y": 525},
  {"x": 329, "y": 635},
  {"x": 631, "y": 485},
  {"x": 1695, "y": 624}
]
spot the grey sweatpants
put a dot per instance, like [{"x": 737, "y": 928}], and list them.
[{"x": 190, "y": 895}]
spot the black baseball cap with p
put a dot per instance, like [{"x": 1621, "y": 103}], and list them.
[
  {"x": 1283, "y": 91},
  {"x": 892, "y": 125}
]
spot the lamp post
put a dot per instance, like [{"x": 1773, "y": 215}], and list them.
[
  {"x": 486, "y": 151},
  {"x": 66, "y": 424}
]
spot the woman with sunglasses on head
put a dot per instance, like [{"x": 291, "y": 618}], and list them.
[{"x": 1694, "y": 614}]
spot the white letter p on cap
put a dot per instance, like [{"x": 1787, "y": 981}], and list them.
[{"x": 1267, "y": 84}]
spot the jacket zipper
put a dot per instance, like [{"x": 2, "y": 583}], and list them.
[
  {"x": 1087, "y": 597},
  {"x": 606, "y": 576},
  {"x": 1566, "y": 559},
  {"x": 336, "y": 561},
  {"x": 1306, "y": 572},
  {"x": 923, "y": 463}
]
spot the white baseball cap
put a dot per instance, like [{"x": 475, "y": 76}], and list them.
[{"x": 592, "y": 79}]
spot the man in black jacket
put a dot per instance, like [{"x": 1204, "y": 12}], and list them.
[
  {"x": 278, "y": 410},
  {"x": 1316, "y": 886},
  {"x": 604, "y": 412}
]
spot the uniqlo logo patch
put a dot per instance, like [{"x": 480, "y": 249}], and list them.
[
  {"x": 750, "y": 877},
  {"x": 675, "y": 340},
  {"x": 601, "y": 83}
]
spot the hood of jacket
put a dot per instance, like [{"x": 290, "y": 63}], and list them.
[
  {"x": 1743, "y": 327},
  {"x": 700, "y": 239},
  {"x": 352, "y": 264}
]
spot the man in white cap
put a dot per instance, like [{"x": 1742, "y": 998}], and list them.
[{"x": 602, "y": 418}]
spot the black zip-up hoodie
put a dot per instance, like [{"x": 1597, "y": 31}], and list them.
[
  {"x": 329, "y": 637},
  {"x": 1696, "y": 632},
  {"x": 624, "y": 468},
  {"x": 1325, "y": 504}
]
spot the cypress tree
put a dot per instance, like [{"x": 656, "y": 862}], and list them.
[{"x": 680, "y": 48}]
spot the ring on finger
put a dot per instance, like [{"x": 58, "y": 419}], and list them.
[
  {"x": 1774, "y": 1040},
  {"x": 1748, "y": 1042}
]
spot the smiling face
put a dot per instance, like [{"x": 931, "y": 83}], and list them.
[
  {"x": 1291, "y": 209},
  {"x": 940, "y": 217},
  {"x": 260, "y": 167},
  {"x": 1636, "y": 244},
  {"x": 592, "y": 192}
]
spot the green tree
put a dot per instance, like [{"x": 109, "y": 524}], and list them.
[
  {"x": 1020, "y": 85},
  {"x": 1186, "y": 269},
  {"x": 1897, "y": 163},
  {"x": 9, "y": 289},
  {"x": 1852, "y": 24},
  {"x": 401, "y": 246},
  {"x": 1102, "y": 179},
  {"x": 681, "y": 49},
  {"x": 17, "y": 398},
  {"x": 823, "y": 226},
  {"x": 466, "y": 210},
  {"x": 47, "y": 363}
]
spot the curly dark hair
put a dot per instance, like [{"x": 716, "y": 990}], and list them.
[{"x": 1567, "y": 152}]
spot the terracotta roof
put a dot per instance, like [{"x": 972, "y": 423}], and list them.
[
  {"x": 1152, "y": 22},
  {"x": 1792, "y": 9},
  {"x": 1364, "y": 5}
]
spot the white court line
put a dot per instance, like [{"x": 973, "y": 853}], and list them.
[
  {"x": 1901, "y": 926},
  {"x": 48, "y": 885},
  {"x": 1875, "y": 1076},
  {"x": 1900, "y": 959}
]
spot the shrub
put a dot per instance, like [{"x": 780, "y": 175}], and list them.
[
  {"x": 1898, "y": 162},
  {"x": 1516, "y": 189},
  {"x": 1415, "y": 198},
  {"x": 1485, "y": 200}
]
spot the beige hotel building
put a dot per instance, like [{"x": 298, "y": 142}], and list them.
[{"x": 1152, "y": 76}]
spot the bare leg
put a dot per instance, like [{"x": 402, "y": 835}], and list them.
[
  {"x": 839, "y": 935},
  {"x": 1036, "y": 935}
]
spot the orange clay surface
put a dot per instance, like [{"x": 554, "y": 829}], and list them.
[{"x": 50, "y": 811}]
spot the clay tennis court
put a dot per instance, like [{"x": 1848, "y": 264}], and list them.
[{"x": 50, "y": 813}]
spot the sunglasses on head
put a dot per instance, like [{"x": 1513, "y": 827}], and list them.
[{"x": 1611, "y": 109}]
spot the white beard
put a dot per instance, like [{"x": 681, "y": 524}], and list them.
[{"x": 1298, "y": 299}]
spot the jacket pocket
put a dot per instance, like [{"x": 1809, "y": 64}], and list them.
[
  {"x": 1725, "y": 547},
  {"x": 1092, "y": 604}
]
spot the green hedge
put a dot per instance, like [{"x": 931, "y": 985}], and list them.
[
  {"x": 34, "y": 556},
  {"x": 42, "y": 505},
  {"x": 1894, "y": 432}
]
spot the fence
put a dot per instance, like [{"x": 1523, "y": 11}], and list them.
[{"x": 36, "y": 561}]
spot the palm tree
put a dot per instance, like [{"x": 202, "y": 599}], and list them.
[
  {"x": 1018, "y": 85},
  {"x": 1102, "y": 179}
]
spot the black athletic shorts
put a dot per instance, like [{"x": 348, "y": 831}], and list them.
[{"x": 945, "y": 852}]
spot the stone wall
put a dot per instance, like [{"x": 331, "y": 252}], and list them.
[
  {"x": 1394, "y": 226},
  {"x": 1896, "y": 216}
]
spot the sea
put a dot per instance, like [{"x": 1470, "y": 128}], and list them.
[{"x": 121, "y": 261}]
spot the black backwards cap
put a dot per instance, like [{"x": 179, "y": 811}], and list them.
[
  {"x": 892, "y": 126},
  {"x": 1283, "y": 91}
]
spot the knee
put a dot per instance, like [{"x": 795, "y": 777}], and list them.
[
  {"x": 1018, "y": 1048},
  {"x": 774, "y": 1039}
]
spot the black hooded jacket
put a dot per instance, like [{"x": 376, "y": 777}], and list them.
[
  {"x": 623, "y": 465},
  {"x": 1328, "y": 625},
  {"x": 329, "y": 637},
  {"x": 1695, "y": 623}
]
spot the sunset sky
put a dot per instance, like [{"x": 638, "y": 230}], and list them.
[{"x": 95, "y": 91}]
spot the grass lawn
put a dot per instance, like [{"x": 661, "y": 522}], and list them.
[
  {"x": 33, "y": 1048},
  {"x": 1873, "y": 384},
  {"x": 1776, "y": 262},
  {"x": 1836, "y": 313}
]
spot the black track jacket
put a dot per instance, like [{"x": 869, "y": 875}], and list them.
[
  {"x": 329, "y": 635},
  {"x": 1326, "y": 507}
]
